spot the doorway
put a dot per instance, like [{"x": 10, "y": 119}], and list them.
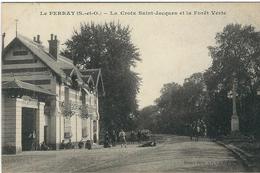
[
  {"x": 28, "y": 129},
  {"x": 45, "y": 134}
]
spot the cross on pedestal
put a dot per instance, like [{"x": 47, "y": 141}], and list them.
[{"x": 234, "y": 117}]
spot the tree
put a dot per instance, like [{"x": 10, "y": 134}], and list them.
[
  {"x": 180, "y": 105},
  {"x": 109, "y": 47},
  {"x": 168, "y": 104},
  {"x": 149, "y": 118},
  {"x": 204, "y": 95},
  {"x": 235, "y": 55}
]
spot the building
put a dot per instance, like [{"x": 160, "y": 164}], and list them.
[{"x": 44, "y": 94}]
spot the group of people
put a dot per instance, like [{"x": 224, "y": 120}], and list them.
[
  {"x": 197, "y": 128},
  {"x": 67, "y": 145},
  {"x": 32, "y": 140},
  {"x": 140, "y": 136},
  {"x": 111, "y": 139}
]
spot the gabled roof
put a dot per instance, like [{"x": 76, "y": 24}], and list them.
[
  {"x": 65, "y": 63},
  {"x": 63, "y": 67},
  {"x": 75, "y": 71},
  {"x": 96, "y": 76},
  {"x": 27, "y": 86},
  {"x": 40, "y": 52},
  {"x": 88, "y": 79},
  {"x": 68, "y": 71}
]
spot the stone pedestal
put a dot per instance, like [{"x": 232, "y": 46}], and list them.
[{"x": 234, "y": 123}]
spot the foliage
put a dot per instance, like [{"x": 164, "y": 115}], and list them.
[
  {"x": 148, "y": 118},
  {"x": 181, "y": 105},
  {"x": 74, "y": 109},
  {"x": 84, "y": 111},
  {"x": 236, "y": 54},
  {"x": 204, "y": 95},
  {"x": 66, "y": 110},
  {"x": 109, "y": 47}
]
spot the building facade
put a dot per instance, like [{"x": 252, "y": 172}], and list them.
[{"x": 45, "y": 94}]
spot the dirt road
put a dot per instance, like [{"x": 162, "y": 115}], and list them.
[{"x": 174, "y": 154}]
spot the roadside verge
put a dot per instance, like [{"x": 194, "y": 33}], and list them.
[{"x": 246, "y": 158}]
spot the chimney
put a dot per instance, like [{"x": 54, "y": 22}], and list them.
[
  {"x": 3, "y": 41},
  {"x": 37, "y": 40},
  {"x": 54, "y": 46}
]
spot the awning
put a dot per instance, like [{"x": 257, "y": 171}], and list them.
[{"x": 26, "y": 86}]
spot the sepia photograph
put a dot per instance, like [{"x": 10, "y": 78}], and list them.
[{"x": 130, "y": 87}]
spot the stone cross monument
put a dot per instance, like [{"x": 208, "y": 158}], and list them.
[{"x": 234, "y": 117}]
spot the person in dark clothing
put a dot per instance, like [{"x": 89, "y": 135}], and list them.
[
  {"x": 62, "y": 145},
  {"x": 95, "y": 138},
  {"x": 81, "y": 144},
  {"x": 69, "y": 145},
  {"x": 139, "y": 136},
  {"x": 107, "y": 140},
  {"x": 114, "y": 138},
  {"x": 132, "y": 137},
  {"x": 149, "y": 144},
  {"x": 44, "y": 147}
]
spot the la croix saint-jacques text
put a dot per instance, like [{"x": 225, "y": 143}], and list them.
[{"x": 134, "y": 13}]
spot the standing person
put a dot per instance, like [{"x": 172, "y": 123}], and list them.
[
  {"x": 95, "y": 138},
  {"x": 194, "y": 130},
  {"x": 122, "y": 138},
  {"x": 106, "y": 140},
  {"x": 190, "y": 129},
  {"x": 139, "y": 136},
  {"x": 32, "y": 137},
  {"x": 114, "y": 138},
  {"x": 132, "y": 137},
  {"x": 197, "y": 130}
]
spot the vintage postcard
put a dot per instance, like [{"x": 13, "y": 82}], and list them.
[{"x": 130, "y": 87}]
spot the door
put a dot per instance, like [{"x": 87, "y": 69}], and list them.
[
  {"x": 45, "y": 134},
  {"x": 28, "y": 129}
]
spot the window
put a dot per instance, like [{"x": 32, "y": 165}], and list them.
[
  {"x": 67, "y": 128},
  {"x": 84, "y": 127},
  {"x": 20, "y": 53},
  {"x": 66, "y": 94},
  {"x": 74, "y": 82},
  {"x": 83, "y": 97}
]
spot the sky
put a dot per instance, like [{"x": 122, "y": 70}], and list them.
[{"x": 172, "y": 37}]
